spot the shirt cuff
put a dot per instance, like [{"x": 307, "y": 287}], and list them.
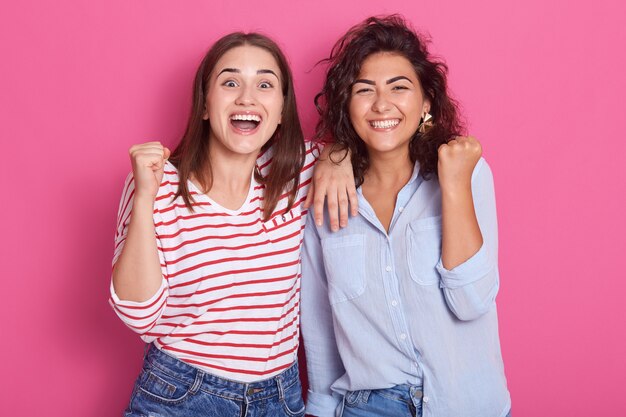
[
  {"x": 138, "y": 304},
  {"x": 321, "y": 405},
  {"x": 472, "y": 270}
]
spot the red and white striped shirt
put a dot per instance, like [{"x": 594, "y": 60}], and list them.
[{"x": 229, "y": 302}]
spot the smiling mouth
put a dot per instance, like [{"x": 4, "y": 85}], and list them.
[
  {"x": 245, "y": 123},
  {"x": 384, "y": 124}
]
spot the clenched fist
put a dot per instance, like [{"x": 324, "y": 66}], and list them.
[
  {"x": 148, "y": 160},
  {"x": 457, "y": 160}
]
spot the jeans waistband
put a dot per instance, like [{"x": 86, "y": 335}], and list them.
[{"x": 184, "y": 372}]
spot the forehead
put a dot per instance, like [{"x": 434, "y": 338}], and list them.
[
  {"x": 247, "y": 58},
  {"x": 386, "y": 64}
]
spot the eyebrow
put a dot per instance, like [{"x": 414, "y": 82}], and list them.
[
  {"x": 398, "y": 78},
  {"x": 238, "y": 71},
  {"x": 389, "y": 81}
]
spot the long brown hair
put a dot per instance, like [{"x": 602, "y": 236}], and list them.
[
  {"x": 191, "y": 155},
  {"x": 384, "y": 34}
]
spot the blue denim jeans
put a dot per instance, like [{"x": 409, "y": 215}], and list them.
[
  {"x": 170, "y": 387},
  {"x": 398, "y": 401}
]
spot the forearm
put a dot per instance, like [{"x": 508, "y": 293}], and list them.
[
  {"x": 137, "y": 273},
  {"x": 470, "y": 287},
  {"x": 461, "y": 236}
]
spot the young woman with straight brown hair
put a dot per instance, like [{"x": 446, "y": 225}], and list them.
[{"x": 207, "y": 257}]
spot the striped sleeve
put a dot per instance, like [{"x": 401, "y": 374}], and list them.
[
  {"x": 312, "y": 153},
  {"x": 138, "y": 316},
  {"x": 313, "y": 150},
  {"x": 123, "y": 216},
  {"x": 141, "y": 317}
]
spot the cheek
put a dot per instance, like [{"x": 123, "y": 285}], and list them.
[
  {"x": 412, "y": 108},
  {"x": 274, "y": 106},
  {"x": 280, "y": 107}
]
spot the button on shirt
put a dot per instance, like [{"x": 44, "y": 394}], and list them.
[{"x": 379, "y": 309}]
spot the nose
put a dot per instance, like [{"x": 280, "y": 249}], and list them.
[
  {"x": 245, "y": 97},
  {"x": 381, "y": 104}
]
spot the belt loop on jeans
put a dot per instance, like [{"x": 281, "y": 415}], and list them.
[
  {"x": 197, "y": 383},
  {"x": 365, "y": 395},
  {"x": 279, "y": 384}
]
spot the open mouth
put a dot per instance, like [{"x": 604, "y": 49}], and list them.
[
  {"x": 245, "y": 123},
  {"x": 384, "y": 124}
]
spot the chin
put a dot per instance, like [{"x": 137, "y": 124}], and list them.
[{"x": 247, "y": 149}]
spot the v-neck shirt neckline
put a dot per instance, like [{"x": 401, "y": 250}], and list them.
[{"x": 200, "y": 196}]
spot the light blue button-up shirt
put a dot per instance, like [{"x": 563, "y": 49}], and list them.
[{"x": 379, "y": 309}]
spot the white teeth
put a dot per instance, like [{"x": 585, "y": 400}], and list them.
[
  {"x": 384, "y": 124},
  {"x": 252, "y": 117}
]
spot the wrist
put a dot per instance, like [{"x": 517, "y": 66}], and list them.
[
  {"x": 456, "y": 190},
  {"x": 143, "y": 201}
]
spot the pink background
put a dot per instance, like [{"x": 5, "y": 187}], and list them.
[{"x": 542, "y": 85}]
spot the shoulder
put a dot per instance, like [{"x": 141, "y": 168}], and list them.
[
  {"x": 481, "y": 170},
  {"x": 482, "y": 177},
  {"x": 264, "y": 160},
  {"x": 170, "y": 173},
  {"x": 312, "y": 154},
  {"x": 168, "y": 188},
  {"x": 313, "y": 147}
]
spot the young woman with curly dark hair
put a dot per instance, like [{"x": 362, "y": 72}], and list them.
[{"x": 398, "y": 309}]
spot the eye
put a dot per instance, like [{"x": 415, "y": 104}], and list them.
[
  {"x": 230, "y": 83},
  {"x": 399, "y": 87},
  {"x": 265, "y": 84},
  {"x": 363, "y": 90}
]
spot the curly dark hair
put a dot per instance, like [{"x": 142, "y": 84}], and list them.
[{"x": 384, "y": 34}]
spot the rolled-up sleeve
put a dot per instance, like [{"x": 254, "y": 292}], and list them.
[
  {"x": 138, "y": 316},
  {"x": 141, "y": 316}
]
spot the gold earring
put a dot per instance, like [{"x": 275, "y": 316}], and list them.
[{"x": 425, "y": 123}]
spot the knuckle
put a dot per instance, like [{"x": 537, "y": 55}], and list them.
[{"x": 320, "y": 180}]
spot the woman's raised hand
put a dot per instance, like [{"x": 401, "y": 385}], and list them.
[
  {"x": 457, "y": 160},
  {"x": 148, "y": 160}
]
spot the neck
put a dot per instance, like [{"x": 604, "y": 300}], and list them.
[
  {"x": 231, "y": 174},
  {"x": 389, "y": 170}
]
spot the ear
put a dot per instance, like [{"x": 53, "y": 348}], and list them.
[
  {"x": 205, "y": 115},
  {"x": 426, "y": 106}
]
